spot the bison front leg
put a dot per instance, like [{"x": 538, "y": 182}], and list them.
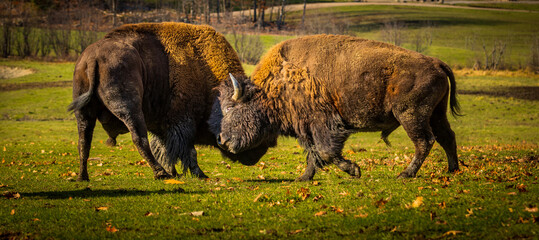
[
  {"x": 310, "y": 170},
  {"x": 193, "y": 165}
]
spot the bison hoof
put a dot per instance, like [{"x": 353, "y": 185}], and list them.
[
  {"x": 83, "y": 179},
  {"x": 163, "y": 175},
  {"x": 304, "y": 178},
  {"x": 202, "y": 176},
  {"x": 111, "y": 142},
  {"x": 405, "y": 175},
  {"x": 356, "y": 172}
]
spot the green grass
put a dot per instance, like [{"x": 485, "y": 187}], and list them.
[
  {"x": 44, "y": 72},
  {"x": 494, "y": 196},
  {"x": 457, "y": 34},
  {"x": 503, "y": 5}
]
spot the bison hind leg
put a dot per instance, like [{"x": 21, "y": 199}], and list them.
[
  {"x": 418, "y": 129},
  {"x": 85, "y": 124},
  {"x": 445, "y": 136}
]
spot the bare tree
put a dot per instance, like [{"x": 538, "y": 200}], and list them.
[
  {"x": 393, "y": 32},
  {"x": 304, "y": 10},
  {"x": 254, "y": 10},
  {"x": 86, "y": 30},
  {"x": 261, "y": 15},
  {"x": 534, "y": 55},
  {"x": 7, "y": 22},
  {"x": 494, "y": 58},
  {"x": 248, "y": 46},
  {"x": 280, "y": 21},
  {"x": 423, "y": 38}
]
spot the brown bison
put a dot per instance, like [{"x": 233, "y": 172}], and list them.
[
  {"x": 320, "y": 89},
  {"x": 158, "y": 78}
]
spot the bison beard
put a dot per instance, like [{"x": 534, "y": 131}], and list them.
[
  {"x": 320, "y": 89},
  {"x": 157, "y": 78}
]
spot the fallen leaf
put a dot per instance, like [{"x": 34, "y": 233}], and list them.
[
  {"x": 261, "y": 177},
  {"x": 173, "y": 181},
  {"x": 111, "y": 229},
  {"x": 35, "y": 219},
  {"x": 11, "y": 195},
  {"x": 512, "y": 193},
  {"x": 12, "y": 212},
  {"x": 101, "y": 209},
  {"x": 522, "y": 188},
  {"x": 470, "y": 212},
  {"x": 452, "y": 232},
  {"x": 442, "y": 205},
  {"x": 295, "y": 232},
  {"x": 530, "y": 209},
  {"x": 316, "y": 183},
  {"x": 337, "y": 209},
  {"x": 147, "y": 214},
  {"x": 320, "y": 213},
  {"x": 380, "y": 203},
  {"x": 257, "y": 197},
  {"x": 417, "y": 202},
  {"x": 304, "y": 193},
  {"x": 361, "y": 215},
  {"x": 197, "y": 213},
  {"x": 318, "y": 197}
]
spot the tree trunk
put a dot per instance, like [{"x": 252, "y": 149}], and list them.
[
  {"x": 262, "y": 13},
  {"x": 114, "y": 13},
  {"x": 303, "y": 17},
  {"x": 254, "y": 10},
  {"x": 218, "y": 9},
  {"x": 280, "y": 22}
]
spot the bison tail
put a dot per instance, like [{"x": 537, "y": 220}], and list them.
[
  {"x": 80, "y": 102},
  {"x": 83, "y": 100},
  {"x": 453, "y": 101}
]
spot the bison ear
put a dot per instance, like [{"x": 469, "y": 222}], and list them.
[{"x": 238, "y": 90}]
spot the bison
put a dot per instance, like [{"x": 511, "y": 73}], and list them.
[
  {"x": 157, "y": 78},
  {"x": 320, "y": 89}
]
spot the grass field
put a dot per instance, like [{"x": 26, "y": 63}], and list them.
[
  {"x": 457, "y": 35},
  {"x": 494, "y": 196}
]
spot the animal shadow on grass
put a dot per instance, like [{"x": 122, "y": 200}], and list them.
[
  {"x": 89, "y": 193},
  {"x": 273, "y": 181}
]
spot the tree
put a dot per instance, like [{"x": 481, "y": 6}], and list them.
[
  {"x": 280, "y": 21},
  {"x": 303, "y": 17}
]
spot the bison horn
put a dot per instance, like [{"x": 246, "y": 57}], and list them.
[{"x": 237, "y": 88}]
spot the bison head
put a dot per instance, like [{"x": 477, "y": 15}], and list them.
[{"x": 239, "y": 122}]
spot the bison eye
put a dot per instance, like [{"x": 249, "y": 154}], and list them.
[{"x": 227, "y": 109}]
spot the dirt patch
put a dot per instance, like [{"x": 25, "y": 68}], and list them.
[
  {"x": 14, "y": 72},
  {"x": 526, "y": 93},
  {"x": 18, "y": 86}
]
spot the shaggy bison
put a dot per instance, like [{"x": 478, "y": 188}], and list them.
[
  {"x": 157, "y": 78},
  {"x": 320, "y": 89}
]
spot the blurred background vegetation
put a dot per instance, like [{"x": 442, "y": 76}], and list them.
[{"x": 474, "y": 34}]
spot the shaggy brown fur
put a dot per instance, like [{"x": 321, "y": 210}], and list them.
[
  {"x": 157, "y": 78},
  {"x": 322, "y": 88}
]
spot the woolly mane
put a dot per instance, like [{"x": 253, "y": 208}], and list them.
[{"x": 184, "y": 42}]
